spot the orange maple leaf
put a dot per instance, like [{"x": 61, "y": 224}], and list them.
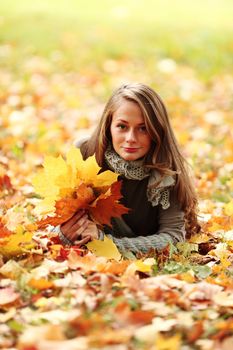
[
  {"x": 67, "y": 207},
  {"x": 107, "y": 206}
]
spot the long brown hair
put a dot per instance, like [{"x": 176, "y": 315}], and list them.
[{"x": 164, "y": 156}]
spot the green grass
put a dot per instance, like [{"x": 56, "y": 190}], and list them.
[{"x": 87, "y": 32}]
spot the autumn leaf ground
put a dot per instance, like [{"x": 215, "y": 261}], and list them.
[{"x": 53, "y": 88}]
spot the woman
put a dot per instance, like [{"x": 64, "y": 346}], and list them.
[{"x": 134, "y": 138}]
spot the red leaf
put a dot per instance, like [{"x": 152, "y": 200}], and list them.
[
  {"x": 5, "y": 183},
  {"x": 64, "y": 252}
]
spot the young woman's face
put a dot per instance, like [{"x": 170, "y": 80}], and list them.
[{"x": 130, "y": 138}]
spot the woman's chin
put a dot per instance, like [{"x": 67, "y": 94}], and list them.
[{"x": 129, "y": 156}]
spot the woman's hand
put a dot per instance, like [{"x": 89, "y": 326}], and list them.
[
  {"x": 91, "y": 232},
  {"x": 79, "y": 228}
]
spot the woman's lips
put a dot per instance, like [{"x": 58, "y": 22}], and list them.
[{"x": 130, "y": 149}]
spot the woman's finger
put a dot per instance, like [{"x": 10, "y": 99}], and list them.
[
  {"x": 78, "y": 216},
  {"x": 68, "y": 224},
  {"x": 80, "y": 222},
  {"x": 73, "y": 234},
  {"x": 83, "y": 241}
]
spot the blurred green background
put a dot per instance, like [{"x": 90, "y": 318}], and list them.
[{"x": 195, "y": 33}]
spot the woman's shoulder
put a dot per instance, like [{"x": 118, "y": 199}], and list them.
[
  {"x": 80, "y": 141},
  {"x": 83, "y": 144}
]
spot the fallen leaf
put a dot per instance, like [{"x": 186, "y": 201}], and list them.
[
  {"x": 144, "y": 266},
  {"x": 199, "y": 238},
  {"x": 40, "y": 284},
  {"x": 140, "y": 317},
  {"x": 87, "y": 263},
  {"x": 110, "y": 337},
  {"x": 105, "y": 248},
  {"x": 8, "y": 315},
  {"x": 11, "y": 269},
  {"x": 5, "y": 183},
  {"x": 4, "y": 232},
  {"x": 16, "y": 244},
  {"x": 116, "y": 267},
  {"x": 223, "y": 299},
  {"x": 168, "y": 343},
  {"x": 196, "y": 331},
  {"x": 228, "y": 208},
  {"x": 8, "y": 296}
]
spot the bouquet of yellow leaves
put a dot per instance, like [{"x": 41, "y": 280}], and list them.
[{"x": 72, "y": 184}]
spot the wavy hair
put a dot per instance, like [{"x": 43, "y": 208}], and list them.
[{"x": 164, "y": 155}]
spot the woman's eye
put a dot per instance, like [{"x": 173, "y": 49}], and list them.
[
  {"x": 121, "y": 126},
  {"x": 142, "y": 129}
]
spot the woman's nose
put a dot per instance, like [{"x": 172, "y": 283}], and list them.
[{"x": 131, "y": 137}]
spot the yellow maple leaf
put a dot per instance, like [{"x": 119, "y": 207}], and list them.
[
  {"x": 45, "y": 206},
  {"x": 87, "y": 170},
  {"x": 74, "y": 161},
  {"x": 45, "y": 181},
  {"x": 228, "y": 208},
  {"x": 59, "y": 178},
  {"x": 105, "y": 248},
  {"x": 144, "y": 266},
  {"x": 140, "y": 265},
  {"x": 17, "y": 243},
  {"x": 53, "y": 182},
  {"x": 105, "y": 179},
  {"x": 168, "y": 343}
]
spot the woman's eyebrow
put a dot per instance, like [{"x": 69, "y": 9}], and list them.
[
  {"x": 121, "y": 120},
  {"x": 125, "y": 121}
]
